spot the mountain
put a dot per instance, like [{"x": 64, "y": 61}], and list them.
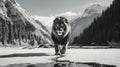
[
  {"x": 18, "y": 27},
  {"x": 47, "y": 21},
  {"x": 93, "y": 9},
  {"x": 80, "y": 23},
  {"x": 104, "y": 30}
]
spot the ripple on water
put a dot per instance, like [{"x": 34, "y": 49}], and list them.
[{"x": 61, "y": 64}]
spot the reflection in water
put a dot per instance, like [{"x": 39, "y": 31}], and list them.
[
  {"x": 78, "y": 64},
  {"x": 57, "y": 65},
  {"x": 61, "y": 64},
  {"x": 69, "y": 64}
]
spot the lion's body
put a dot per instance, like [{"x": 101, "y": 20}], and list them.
[{"x": 60, "y": 34}]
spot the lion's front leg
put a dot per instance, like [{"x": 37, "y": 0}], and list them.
[
  {"x": 57, "y": 49},
  {"x": 63, "y": 50},
  {"x": 64, "y": 47}
]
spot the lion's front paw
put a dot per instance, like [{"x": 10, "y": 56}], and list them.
[
  {"x": 57, "y": 53},
  {"x": 62, "y": 52}
]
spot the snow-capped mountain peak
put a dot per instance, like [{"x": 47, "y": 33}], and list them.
[
  {"x": 79, "y": 24},
  {"x": 96, "y": 8},
  {"x": 3, "y": 9}
]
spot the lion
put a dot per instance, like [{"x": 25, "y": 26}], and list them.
[{"x": 60, "y": 34}]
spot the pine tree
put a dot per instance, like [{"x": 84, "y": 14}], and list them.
[
  {"x": 19, "y": 34},
  {"x": 10, "y": 33},
  {"x": 3, "y": 32}
]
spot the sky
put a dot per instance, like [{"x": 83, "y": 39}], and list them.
[{"x": 54, "y": 7}]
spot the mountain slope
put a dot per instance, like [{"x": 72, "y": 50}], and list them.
[
  {"x": 17, "y": 24},
  {"x": 80, "y": 23},
  {"x": 47, "y": 21},
  {"x": 104, "y": 30}
]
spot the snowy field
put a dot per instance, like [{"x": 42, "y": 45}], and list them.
[{"x": 46, "y": 55}]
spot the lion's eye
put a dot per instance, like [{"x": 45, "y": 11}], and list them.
[{"x": 57, "y": 25}]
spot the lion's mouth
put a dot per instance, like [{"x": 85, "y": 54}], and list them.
[{"x": 59, "y": 33}]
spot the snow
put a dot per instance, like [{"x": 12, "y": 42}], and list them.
[
  {"x": 46, "y": 20},
  {"x": 17, "y": 60},
  {"x": 102, "y": 56},
  {"x": 3, "y": 10}
]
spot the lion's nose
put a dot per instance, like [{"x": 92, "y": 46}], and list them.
[
  {"x": 61, "y": 29},
  {"x": 59, "y": 32}
]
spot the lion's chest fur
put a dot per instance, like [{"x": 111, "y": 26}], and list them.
[
  {"x": 60, "y": 40},
  {"x": 64, "y": 33}
]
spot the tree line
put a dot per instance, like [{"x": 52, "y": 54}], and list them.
[{"x": 103, "y": 29}]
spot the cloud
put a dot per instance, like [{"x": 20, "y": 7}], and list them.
[
  {"x": 68, "y": 14},
  {"x": 48, "y": 20}
]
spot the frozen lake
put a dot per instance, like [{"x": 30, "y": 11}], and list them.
[{"x": 46, "y": 55}]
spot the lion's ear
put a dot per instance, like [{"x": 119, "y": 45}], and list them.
[
  {"x": 66, "y": 21},
  {"x": 53, "y": 21},
  {"x": 56, "y": 19}
]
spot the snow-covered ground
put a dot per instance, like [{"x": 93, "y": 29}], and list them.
[{"x": 46, "y": 55}]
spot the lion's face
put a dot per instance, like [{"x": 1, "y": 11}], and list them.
[{"x": 60, "y": 28}]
